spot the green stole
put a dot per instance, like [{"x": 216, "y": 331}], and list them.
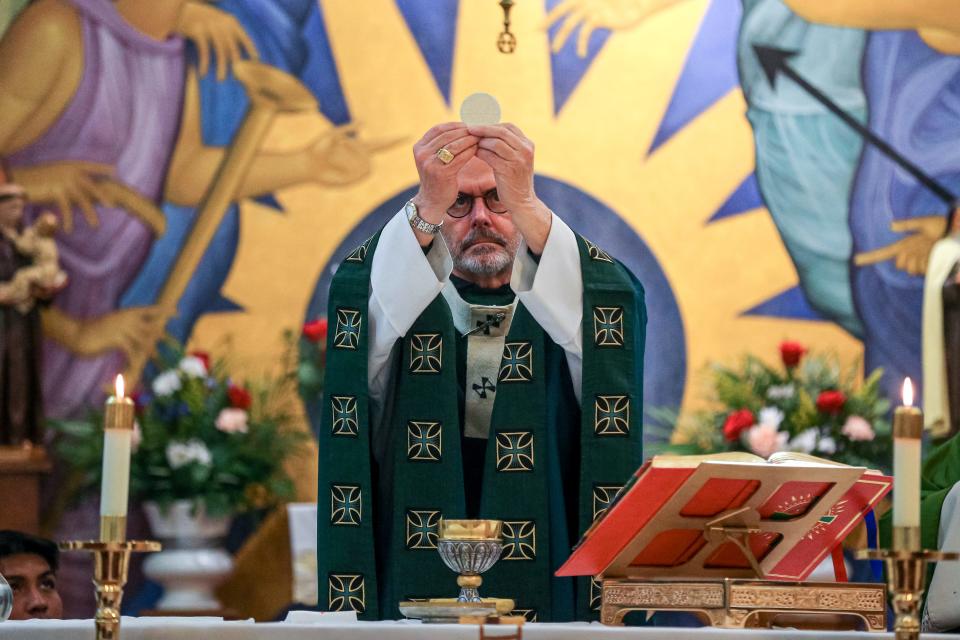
[{"x": 378, "y": 515}]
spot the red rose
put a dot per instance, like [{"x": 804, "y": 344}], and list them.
[
  {"x": 831, "y": 402},
  {"x": 203, "y": 357},
  {"x": 736, "y": 422},
  {"x": 239, "y": 397},
  {"x": 791, "y": 352},
  {"x": 315, "y": 331}
]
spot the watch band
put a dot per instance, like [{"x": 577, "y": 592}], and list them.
[{"x": 418, "y": 223}]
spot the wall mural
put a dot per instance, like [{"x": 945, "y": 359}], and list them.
[{"x": 768, "y": 169}]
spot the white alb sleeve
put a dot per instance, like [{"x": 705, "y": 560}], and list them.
[
  {"x": 553, "y": 292},
  {"x": 403, "y": 282}
]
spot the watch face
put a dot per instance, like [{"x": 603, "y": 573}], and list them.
[{"x": 416, "y": 221}]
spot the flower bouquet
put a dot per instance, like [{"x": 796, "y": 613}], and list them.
[
  {"x": 199, "y": 436},
  {"x": 810, "y": 405}
]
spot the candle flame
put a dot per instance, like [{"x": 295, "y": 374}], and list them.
[
  {"x": 907, "y": 392},
  {"x": 119, "y": 387}
]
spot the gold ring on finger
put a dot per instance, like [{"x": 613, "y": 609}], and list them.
[{"x": 444, "y": 156}]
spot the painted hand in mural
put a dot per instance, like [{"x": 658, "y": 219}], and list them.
[
  {"x": 215, "y": 31},
  {"x": 67, "y": 185},
  {"x": 510, "y": 153},
  {"x": 590, "y": 15},
  {"x": 911, "y": 253},
  {"x": 134, "y": 331},
  {"x": 339, "y": 157}
]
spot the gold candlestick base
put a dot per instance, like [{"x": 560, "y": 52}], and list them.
[
  {"x": 906, "y": 580},
  {"x": 111, "y": 561}
]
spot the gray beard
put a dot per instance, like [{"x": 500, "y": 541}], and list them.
[{"x": 486, "y": 262}]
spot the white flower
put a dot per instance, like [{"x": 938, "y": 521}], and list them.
[
  {"x": 805, "y": 441},
  {"x": 764, "y": 439},
  {"x": 193, "y": 367},
  {"x": 167, "y": 383},
  {"x": 183, "y": 453},
  {"x": 178, "y": 454},
  {"x": 857, "y": 429},
  {"x": 232, "y": 420},
  {"x": 827, "y": 446},
  {"x": 771, "y": 416},
  {"x": 780, "y": 392}
]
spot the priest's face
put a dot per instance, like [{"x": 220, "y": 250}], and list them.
[{"x": 482, "y": 243}]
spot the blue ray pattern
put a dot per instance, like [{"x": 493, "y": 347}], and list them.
[
  {"x": 745, "y": 198},
  {"x": 566, "y": 67},
  {"x": 319, "y": 72},
  {"x": 434, "y": 27},
  {"x": 709, "y": 72},
  {"x": 269, "y": 200},
  {"x": 791, "y": 304}
]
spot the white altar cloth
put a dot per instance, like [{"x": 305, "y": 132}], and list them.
[{"x": 212, "y": 629}]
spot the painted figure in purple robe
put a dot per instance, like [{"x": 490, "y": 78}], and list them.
[{"x": 101, "y": 128}]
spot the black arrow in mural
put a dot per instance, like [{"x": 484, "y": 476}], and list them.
[{"x": 774, "y": 62}]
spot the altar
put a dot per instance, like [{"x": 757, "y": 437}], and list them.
[{"x": 205, "y": 628}]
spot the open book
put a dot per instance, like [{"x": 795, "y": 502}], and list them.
[{"x": 727, "y": 515}]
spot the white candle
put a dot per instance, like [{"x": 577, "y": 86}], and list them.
[
  {"x": 907, "y": 430},
  {"x": 117, "y": 433}
]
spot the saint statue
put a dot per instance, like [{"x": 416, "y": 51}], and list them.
[{"x": 29, "y": 272}]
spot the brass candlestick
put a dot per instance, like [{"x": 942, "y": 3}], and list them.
[
  {"x": 906, "y": 577},
  {"x": 111, "y": 560}
]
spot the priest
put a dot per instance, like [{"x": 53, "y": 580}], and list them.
[{"x": 484, "y": 362}]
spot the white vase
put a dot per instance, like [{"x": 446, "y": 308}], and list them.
[{"x": 193, "y": 561}]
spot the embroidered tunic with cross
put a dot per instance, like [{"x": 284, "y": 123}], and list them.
[
  {"x": 485, "y": 328},
  {"x": 484, "y": 406}
]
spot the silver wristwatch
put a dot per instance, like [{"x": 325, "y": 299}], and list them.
[{"x": 419, "y": 223}]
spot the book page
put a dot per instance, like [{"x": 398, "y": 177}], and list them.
[
  {"x": 689, "y": 462},
  {"x": 805, "y": 459}
]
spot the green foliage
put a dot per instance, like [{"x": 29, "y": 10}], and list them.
[{"x": 199, "y": 436}]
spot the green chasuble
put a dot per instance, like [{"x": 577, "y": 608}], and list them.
[{"x": 547, "y": 468}]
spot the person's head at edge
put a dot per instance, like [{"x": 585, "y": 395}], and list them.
[{"x": 30, "y": 565}]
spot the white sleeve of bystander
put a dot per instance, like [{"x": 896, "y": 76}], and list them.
[{"x": 943, "y": 600}]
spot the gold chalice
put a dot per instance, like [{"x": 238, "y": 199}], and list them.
[{"x": 469, "y": 547}]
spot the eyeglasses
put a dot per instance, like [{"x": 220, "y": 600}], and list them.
[{"x": 464, "y": 204}]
